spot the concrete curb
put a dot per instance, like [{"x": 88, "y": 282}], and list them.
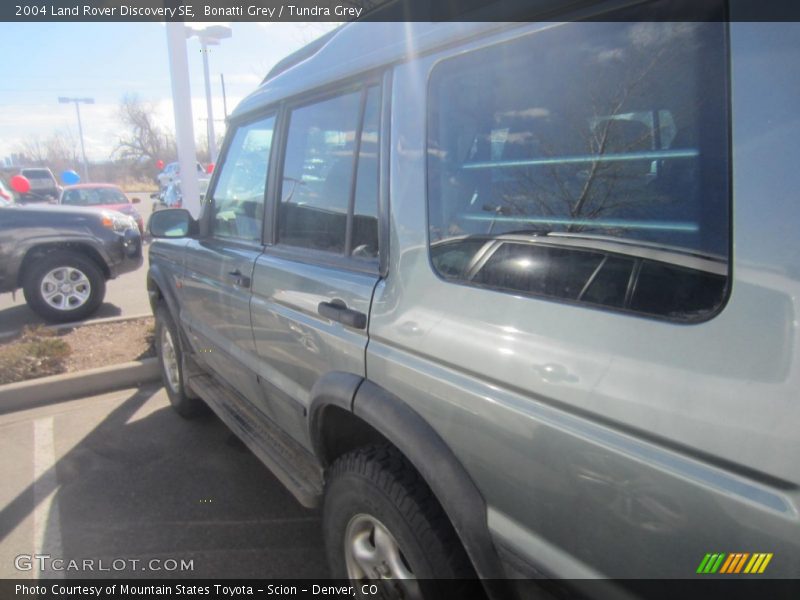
[
  {"x": 4, "y": 335},
  {"x": 68, "y": 386}
]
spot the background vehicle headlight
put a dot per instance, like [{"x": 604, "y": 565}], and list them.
[{"x": 118, "y": 222}]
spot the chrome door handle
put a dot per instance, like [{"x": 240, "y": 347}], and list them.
[
  {"x": 338, "y": 311},
  {"x": 240, "y": 279}
]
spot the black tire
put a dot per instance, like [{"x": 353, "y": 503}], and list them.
[
  {"x": 379, "y": 482},
  {"x": 183, "y": 402},
  {"x": 71, "y": 266}
]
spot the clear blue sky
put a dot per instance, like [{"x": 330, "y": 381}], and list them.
[{"x": 43, "y": 61}]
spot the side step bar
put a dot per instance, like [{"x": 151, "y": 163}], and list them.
[{"x": 293, "y": 465}]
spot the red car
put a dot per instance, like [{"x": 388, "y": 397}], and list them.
[{"x": 102, "y": 195}]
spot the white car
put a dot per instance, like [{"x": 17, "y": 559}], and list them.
[
  {"x": 6, "y": 195},
  {"x": 172, "y": 196},
  {"x": 172, "y": 172}
]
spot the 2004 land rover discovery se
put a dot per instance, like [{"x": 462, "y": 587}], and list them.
[{"x": 509, "y": 300}]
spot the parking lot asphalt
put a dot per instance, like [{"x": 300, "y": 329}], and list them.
[
  {"x": 125, "y": 296},
  {"x": 121, "y": 477}
]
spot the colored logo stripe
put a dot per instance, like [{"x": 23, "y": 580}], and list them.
[
  {"x": 758, "y": 563},
  {"x": 711, "y": 563},
  {"x": 727, "y": 564},
  {"x": 734, "y": 563}
]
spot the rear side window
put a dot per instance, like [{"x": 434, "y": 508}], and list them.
[
  {"x": 664, "y": 289},
  {"x": 606, "y": 140},
  {"x": 37, "y": 173},
  {"x": 329, "y": 192}
]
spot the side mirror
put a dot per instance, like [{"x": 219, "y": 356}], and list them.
[
  {"x": 171, "y": 223},
  {"x": 136, "y": 200}
]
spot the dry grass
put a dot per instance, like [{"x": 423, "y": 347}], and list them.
[
  {"x": 38, "y": 352},
  {"x": 129, "y": 185}
]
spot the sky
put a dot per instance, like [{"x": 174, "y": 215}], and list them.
[{"x": 105, "y": 61}]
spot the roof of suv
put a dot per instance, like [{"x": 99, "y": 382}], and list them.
[{"x": 339, "y": 54}]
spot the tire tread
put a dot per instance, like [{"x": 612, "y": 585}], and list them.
[{"x": 400, "y": 482}]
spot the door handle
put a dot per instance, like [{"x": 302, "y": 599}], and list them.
[
  {"x": 240, "y": 279},
  {"x": 338, "y": 311}
]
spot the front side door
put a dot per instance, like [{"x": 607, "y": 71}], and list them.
[
  {"x": 313, "y": 286},
  {"x": 219, "y": 266}
]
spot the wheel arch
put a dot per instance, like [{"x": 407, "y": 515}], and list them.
[
  {"x": 352, "y": 410},
  {"x": 159, "y": 291},
  {"x": 39, "y": 250}
]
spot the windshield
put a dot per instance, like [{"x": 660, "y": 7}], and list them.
[
  {"x": 93, "y": 197},
  {"x": 37, "y": 173}
]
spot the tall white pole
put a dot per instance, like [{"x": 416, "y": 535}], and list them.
[
  {"x": 182, "y": 103},
  {"x": 212, "y": 142}
]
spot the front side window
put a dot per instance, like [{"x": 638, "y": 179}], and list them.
[
  {"x": 238, "y": 198},
  {"x": 329, "y": 191},
  {"x": 607, "y": 140}
]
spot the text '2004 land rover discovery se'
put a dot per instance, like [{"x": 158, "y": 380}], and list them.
[{"x": 509, "y": 300}]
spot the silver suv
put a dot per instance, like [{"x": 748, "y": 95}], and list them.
[
  {"x": 486, "y": 299},
  {"x": 44, "y": 187}
]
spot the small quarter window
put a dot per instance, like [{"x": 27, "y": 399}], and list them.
[{"x": 538, "y": 269}]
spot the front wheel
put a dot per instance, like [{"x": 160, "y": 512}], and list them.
[
  {"x": 64, "y": 287},
  {"x": 383, "y": 526},
  {"x": 170, "y": 360}
]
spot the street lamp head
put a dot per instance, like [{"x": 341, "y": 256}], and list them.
[
  {"x": 210, "y": 35},
  {"x": 217, "y": 32},
  {"x": 65, "y": 100}
]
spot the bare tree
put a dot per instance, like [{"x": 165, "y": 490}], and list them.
[
  {"x": 59, "y": 151},
  {"x": 582, "y": 192},
  {"x": 33, "y": 151},
  {"x": 144, "y": 139},
  {"x": 62, "y": 151}
]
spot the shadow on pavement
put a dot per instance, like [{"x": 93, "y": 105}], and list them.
[{"x": 145, "y": 484}]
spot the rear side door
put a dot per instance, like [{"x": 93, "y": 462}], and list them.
[
  {"x": 312, "y": 286},
  {"x": 219, "y": 265}
]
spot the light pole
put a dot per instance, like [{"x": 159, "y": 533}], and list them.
[
  {"x": 210, "y": 36},
  {"x": 182, "y": 106},
  {"x": 78, "y": 101}
]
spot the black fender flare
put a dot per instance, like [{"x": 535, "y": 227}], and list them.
[
  {"x": 158, "y": 285},
  {"x": 337, "y": 388},
  {"x": 428, "y": 453}
]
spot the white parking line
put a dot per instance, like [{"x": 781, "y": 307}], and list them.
[{"x": 46, "y": 520}]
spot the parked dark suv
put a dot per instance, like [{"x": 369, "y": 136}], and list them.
[
  {"x": 62, "y": 256},
  {"x": 476, "y": 294}
]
